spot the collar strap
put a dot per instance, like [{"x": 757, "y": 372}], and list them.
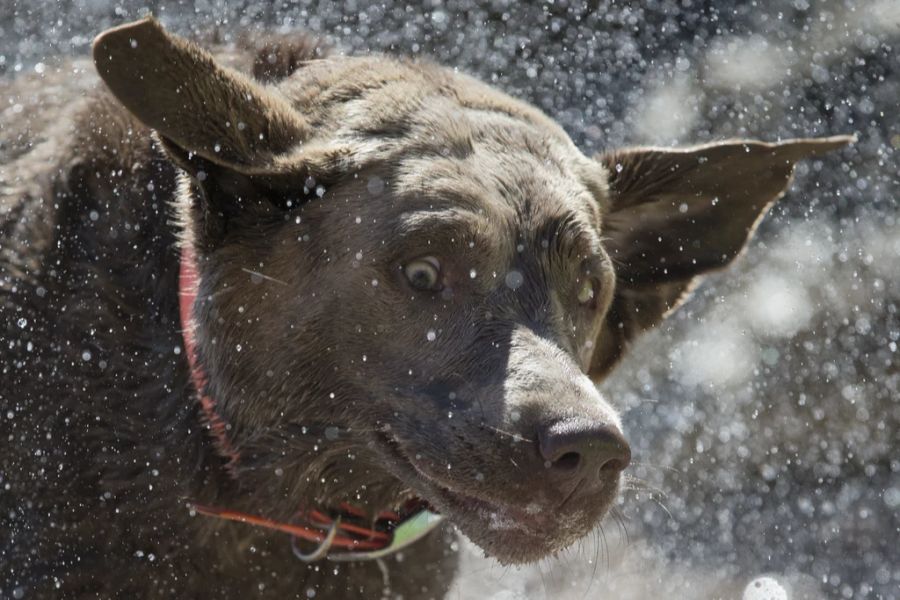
[
  {"x": 188, "y": 283},
  {"x": 389, "y": 533}
]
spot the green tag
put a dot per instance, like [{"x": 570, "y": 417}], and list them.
[{"x": 409, "y": 531}]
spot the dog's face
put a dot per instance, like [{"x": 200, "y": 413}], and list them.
[
  {"x": 461, "y": 318},
  {"x": 409, "y": 280}
]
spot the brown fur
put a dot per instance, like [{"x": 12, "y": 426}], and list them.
[{"x": 304, "y": 199}]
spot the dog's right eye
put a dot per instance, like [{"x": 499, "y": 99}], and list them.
[{"x": 424, "y": 274}]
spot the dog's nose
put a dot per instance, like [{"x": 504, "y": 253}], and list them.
[{"x": 580, "y": 447}]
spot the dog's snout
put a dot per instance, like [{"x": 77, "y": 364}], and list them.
[{"x": 579, "y": 447}]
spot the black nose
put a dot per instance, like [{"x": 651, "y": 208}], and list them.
[{"x": 581, "y": 447}]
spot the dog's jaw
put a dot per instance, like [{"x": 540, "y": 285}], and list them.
[{"x": 506, "y": 531}]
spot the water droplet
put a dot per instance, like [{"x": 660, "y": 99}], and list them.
[
  {"x": 375, "y": 185},
  {"x": 514, "y": 280}
]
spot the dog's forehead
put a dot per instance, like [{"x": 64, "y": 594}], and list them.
[
  {"x": 508, "y": 185},
  {"x": 516, "y": 174},
  {"x": 442, "y": 136},
  {"x": 383, "y": 96}
]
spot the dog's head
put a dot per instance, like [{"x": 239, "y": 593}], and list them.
[{"x": 410, "y": 282}]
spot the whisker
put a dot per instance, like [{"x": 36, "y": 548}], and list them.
[
  {"x": 264, "y": 276},
  {"x": 606, "y": 549},
  {"x": 657, "y": 467},
  {"x": 543, "y": 581},
  {"x": 514, "y": 436},
  {"x": 596, "y": 537},
  {"x": 662, "y": 506},
  {"x": 645, "y": 486},
  {"x": 620, "y": 521}
]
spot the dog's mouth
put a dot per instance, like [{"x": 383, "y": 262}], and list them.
[
  {"x": 506, "y": 530},
  {"x": 498, "y": 516}
]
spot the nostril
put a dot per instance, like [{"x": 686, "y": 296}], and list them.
[
  {"x": 567, "y": 462},
  {"x": 615, "y": 457},
  {"x": 613, "y": 465}
]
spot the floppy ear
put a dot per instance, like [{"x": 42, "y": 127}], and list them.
[
  {"x": 238, "y": 139},
  {"x": 199, "y": 106},
  {"x": 673, "y": 215}
]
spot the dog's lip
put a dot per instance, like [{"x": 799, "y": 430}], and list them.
[
  {"x": 497, "y": 516},
  {"x": 460, "y": 506}
]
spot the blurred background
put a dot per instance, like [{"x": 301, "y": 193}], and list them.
[{"x": 764, "y": 415}]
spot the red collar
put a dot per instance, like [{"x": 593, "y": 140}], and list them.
[
  {"x": 386, "y": 533},
  {"x": 188, "y": 282}
]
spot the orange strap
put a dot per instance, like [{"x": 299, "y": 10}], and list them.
[{"x": 376, "y": 541}]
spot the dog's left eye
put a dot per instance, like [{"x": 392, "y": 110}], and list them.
[
  {"x": 424, "y": 274},
  {"x": 586, "y": 293}
]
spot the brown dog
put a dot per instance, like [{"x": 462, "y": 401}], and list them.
[{"x": 397, "y": 289}]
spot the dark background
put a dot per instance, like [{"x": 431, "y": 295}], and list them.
[{"x": 764, "y": 416}]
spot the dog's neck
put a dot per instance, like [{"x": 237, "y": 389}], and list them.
[
  {"x": 361, "y": 535},
  {"x": 187, "y": 294}
]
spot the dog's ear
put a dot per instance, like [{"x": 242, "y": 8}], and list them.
[
  {"x": 238, "y": 138},
  {"x": 673, "y": 215},
  {"x": 197, "y": 105}
]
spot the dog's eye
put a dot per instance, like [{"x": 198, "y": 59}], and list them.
[
  {"x": 586, "y": 293},
  {"x": 424, "y": 274}
]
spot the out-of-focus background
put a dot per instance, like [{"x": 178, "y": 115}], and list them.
[{"x": 764, "y": 416}]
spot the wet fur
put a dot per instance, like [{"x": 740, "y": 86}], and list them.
[
  {"x": 105, "y": 445},
  {"x": 79, "y": 520}
]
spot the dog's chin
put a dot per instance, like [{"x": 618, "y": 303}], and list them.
[
  {"x": 505, "y": 531},
  {"x": 514, "y": 535}
]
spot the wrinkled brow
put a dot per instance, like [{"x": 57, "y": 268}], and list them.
[
  {"x": 455, "y": 222},
  {"x": 569, "y": 235}
]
